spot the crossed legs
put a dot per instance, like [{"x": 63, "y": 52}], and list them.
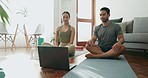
[{"x": 96, "y": 52}]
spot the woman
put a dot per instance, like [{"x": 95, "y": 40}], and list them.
[{"x": 64, "y": 36}]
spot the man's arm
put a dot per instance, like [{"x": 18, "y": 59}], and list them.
[
  {"x": 92, "y": 40},
  {"x": 118, "y": 45},
  {"x": 121, "y": 39}
]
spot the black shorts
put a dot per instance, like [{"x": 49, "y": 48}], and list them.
[{"x": 105, "y": 48}]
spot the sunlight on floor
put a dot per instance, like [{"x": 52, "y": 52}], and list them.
[{"x": 16, "y": 64}]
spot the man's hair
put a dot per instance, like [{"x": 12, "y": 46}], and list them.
[
  {"x": 105, "y": 9},
  {"x": 66, "y": 13}
]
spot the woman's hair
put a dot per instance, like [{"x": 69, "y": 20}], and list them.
[{"x": 66, "y": 13}]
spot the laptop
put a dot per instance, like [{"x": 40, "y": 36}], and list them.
[{"x": 54, "y": 58}]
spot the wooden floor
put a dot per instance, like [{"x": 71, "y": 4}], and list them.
[
  {"x": 138, "y": 62},
  {"x": 18, "y": 64}
]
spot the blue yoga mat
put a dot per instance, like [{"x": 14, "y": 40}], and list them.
[{"x": 102, "y": 68}]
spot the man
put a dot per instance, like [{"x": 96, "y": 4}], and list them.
[{"x": 106, "y": 34}]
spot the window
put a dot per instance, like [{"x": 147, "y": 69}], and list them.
[{"x": 85, "y": 21}]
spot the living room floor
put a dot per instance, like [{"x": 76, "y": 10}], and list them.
[{"x": 137, "y": 61}]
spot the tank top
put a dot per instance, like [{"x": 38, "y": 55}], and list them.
[{"x": 64, "y": 36}]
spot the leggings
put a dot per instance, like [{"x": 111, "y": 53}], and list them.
[{"x": 71, "y": 47}]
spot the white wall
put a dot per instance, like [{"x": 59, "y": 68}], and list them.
[
  {"x": 70, "y": 6},
  {"x": 128, "y": 9},
  {"x": 50, "y": 17},
  {"x": 57, "y": 5},
  {"x": 39, "y": 12}
]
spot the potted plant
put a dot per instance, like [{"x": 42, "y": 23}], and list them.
[
  {"x": 3, "y": 13},
  {"x": 53, "y": 39}
]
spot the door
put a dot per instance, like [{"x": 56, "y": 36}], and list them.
[{"x": 85, "y": 21}]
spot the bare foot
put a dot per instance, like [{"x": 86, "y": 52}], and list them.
[{"x": 90, "y": 55}]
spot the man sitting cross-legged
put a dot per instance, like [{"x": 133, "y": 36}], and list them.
[{"x": 107, "y": 34}]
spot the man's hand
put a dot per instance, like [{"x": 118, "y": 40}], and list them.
[
  {"x": 90, "y": 42},
  {"x": 117, "y": 46}
]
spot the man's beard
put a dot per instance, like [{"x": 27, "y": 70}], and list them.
[{"x": 104, "y": 19}]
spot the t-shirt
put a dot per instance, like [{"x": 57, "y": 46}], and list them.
[{"x": 107, "y": 35}]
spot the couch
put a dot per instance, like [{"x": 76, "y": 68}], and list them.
[{"x": 136, "y": 33}]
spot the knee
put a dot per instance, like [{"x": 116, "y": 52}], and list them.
[
  {"x": 71, "y": 49},
  {"x": 46, "y": 44},
  {"x": 71, "y": 46},
  {"x": 86, "y": 46},
  {"x": 123, "y": 48}
]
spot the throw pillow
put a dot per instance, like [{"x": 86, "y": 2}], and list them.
[
  {"x": 119, "y": 20},
  {"x": 129, "y": 26},
  {"x": 123, "y": 26},
  {"x": 140, "y": 25}
]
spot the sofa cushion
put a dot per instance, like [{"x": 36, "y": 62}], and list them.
[
  {"x": 136, "y": 45},
  {"x": 136, "y": 37},
  {"x": 123, "y": 26},
  {"x": 119, "y": 20},
  {"x": 129, "y": 26},
  {"x": 140, "y": 25}
]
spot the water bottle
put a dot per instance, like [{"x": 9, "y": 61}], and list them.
[{"x": 33, "y": 51}]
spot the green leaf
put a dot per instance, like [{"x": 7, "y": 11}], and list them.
[{"x": 4, "y": 15}]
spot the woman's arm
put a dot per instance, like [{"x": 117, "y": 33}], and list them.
[
  {"x": 56, "y": 37},
  {"x": 72, "y": 35}
]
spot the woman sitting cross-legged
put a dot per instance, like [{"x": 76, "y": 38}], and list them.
[{"x": 65, "y": 34}]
